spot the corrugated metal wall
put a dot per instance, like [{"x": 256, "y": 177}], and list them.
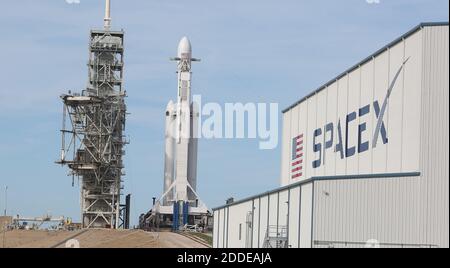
[
  {"x": 355, "y": 211},
  {"x": 435, "y": 135},
  {"x": 237, "y": 225},
  {"x": 216, "y": 229},
  {"x": 290, "y": 208},
  {"x": 331, "y": 211}
]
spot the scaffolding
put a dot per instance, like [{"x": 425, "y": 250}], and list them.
[{"x": 93, "y": 133}]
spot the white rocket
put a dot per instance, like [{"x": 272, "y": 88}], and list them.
[{"x": 180, "y": 169}]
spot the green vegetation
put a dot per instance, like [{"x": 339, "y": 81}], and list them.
[{"x": 205, "y": 237}]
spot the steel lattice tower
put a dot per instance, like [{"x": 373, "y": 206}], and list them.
[{"x": 93, "y": 146}]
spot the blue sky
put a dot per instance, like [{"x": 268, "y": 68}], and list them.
[{"x": 252, "y": 51}]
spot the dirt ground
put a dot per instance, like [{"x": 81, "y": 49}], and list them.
[{"x": 96, "y": 238}]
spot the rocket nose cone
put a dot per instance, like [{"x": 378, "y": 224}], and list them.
[
  {"x": 184, "y": 48},
  {"x": 170, "y": 106}
]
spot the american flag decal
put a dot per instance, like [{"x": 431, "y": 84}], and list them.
[{"x": 297, "y": 157}]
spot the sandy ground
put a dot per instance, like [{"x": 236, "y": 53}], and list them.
[{"x": 97, "y": 238}]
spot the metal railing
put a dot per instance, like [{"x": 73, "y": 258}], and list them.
[
  {"x": 276, "y": 237},
  {"x": 277, "y": 231}
]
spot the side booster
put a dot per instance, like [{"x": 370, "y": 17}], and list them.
[{"x": 180, "y": 169}]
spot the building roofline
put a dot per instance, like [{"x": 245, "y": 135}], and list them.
[
  {"x": 377, "y": 53},
  {"x": 325, "y": 178}
]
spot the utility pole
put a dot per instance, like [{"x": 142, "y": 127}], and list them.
[
  {"x": 5, "y": 227},
  {"x": 6, "y": 199},
  {"x": 4, "y": 235}
]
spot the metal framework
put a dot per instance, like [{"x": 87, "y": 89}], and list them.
[
  {"x": 276, "y": 237},
  {"x": 93, "y": 145}
]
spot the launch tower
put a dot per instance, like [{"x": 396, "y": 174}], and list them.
[{"x": 93, "y": 131}]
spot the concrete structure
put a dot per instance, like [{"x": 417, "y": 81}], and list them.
[
  {"x": 180, "y": 203},
  {"x": 93, "y": 144},
  {"x": 364, "y": 158}
]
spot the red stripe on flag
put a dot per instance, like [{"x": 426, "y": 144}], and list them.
[
  {"x": 297, "y": 163},
  {"x": 297, "y": 169},
  {"x": 297, "y": 175}
]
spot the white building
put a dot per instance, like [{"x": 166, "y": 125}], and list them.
[{"x": 364, "y": 158}]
